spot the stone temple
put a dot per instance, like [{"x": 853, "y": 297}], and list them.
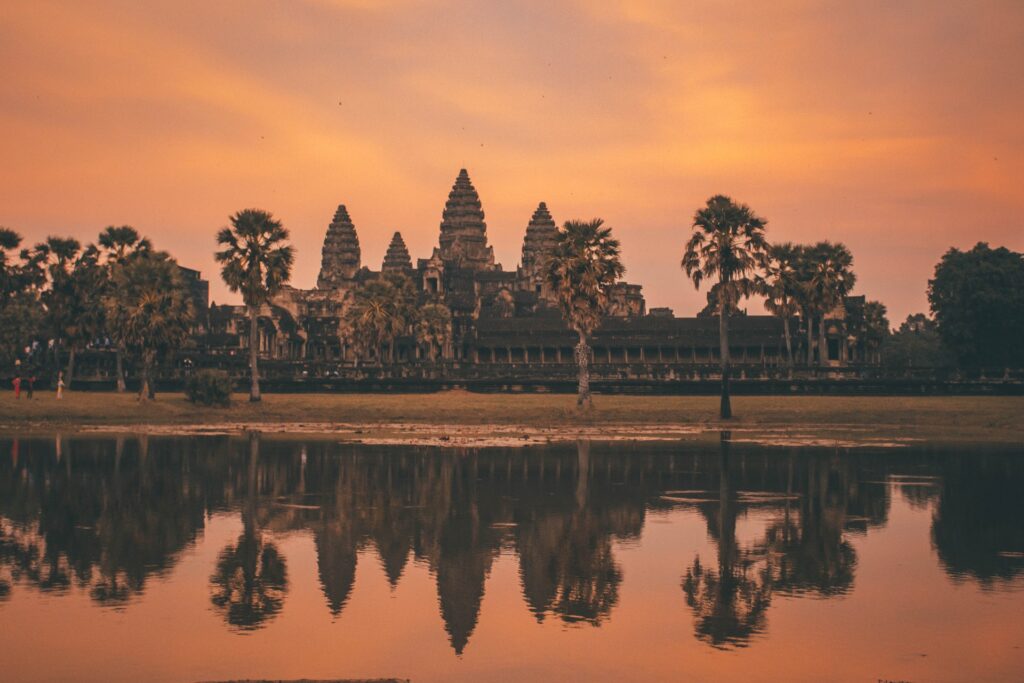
[{"x": 499, "y": 317}]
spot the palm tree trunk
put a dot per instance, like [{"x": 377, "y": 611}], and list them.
[
  {"x": 254, "y": 373},
  {"x": 810, "y": 340},
  {"x": 71, "y": 365},
  {"x": 789, "y": 343},
  {"x": 144, "y": 392},
  {"x": 822, "y": 342},
  {"x": 583, "y": 362},
  {"x": 119, "y": 358},
  {"x": 725, "y": 407}
]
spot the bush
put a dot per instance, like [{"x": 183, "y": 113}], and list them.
[{"x": 209, "y": 388}]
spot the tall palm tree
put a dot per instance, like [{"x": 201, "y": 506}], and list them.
[
  {"x": 583, "y": 267},
  {"x": 149, "y": 310},
  {"x": 727, "y": 244},
  {"x": 73, "y": 297},
  {"x": 782, "y": 288},
  {"x": 831, "y": 280},
  {"x": 257, "y": 262},
  {"x": 118, "y": 244}
]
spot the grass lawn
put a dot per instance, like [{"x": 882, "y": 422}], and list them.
[{"x": 987, "y": 418}]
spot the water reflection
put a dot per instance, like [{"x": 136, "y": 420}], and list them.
[{"x": 106, "y": 516}]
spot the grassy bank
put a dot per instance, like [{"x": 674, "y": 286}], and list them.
[{"x": 950, "y": 418}]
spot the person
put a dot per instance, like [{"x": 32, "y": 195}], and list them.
[
  {"x": 31, "y": 379},
  {"x": 60, "y": 385},
  {"x": 17, "y": 386}
]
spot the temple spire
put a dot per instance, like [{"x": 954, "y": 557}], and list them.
[
  {"x": 340, "y": 259},
  {"x": 397, "y": 258},
  {"x": 540, "y": 237},
  {"x": 463, "y": 231}
]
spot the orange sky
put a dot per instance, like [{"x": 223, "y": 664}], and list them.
[{"x": 892, "y": 126}]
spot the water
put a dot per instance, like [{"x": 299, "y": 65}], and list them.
[{"x": 205, "y": 558}]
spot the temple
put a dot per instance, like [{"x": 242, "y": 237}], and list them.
[{"x": 499, "y": 317}]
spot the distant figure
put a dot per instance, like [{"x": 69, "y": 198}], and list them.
[
  {"x": 31, "y": 379},
  {"x": 17, "y": 387},
  {"x": 60, "y": 385}
]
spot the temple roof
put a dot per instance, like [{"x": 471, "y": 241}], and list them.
[
  {"x": 397, "y": 257},
  {"x": 463, "y": 237},
  {"x": 540, "y": 236},
  {"x": 340, "y": 257}
]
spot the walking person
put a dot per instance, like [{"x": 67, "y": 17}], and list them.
[{"x": 60, "y": 385}]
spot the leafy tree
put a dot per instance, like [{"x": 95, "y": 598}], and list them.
[
  {"x": 256, "y": 262},
  {"x": 149, "y": 310},
  {"x": 434, "y": 328},
  {"x": 977, "y": 298},
  {"x": 916, "y": 344},
  {"x": 583, "y": 267},
  {"x": 831, "y": 279},
  {"x": 782, "y": 287},
  {"x": 117, "y": 244},
  {"x": 727, "y": 244},
  {"x": 869, "y": 326}
]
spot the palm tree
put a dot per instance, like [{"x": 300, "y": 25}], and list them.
[
  {"x": 20, "y": 314},
  {"x": 782, "y": 288},
  {"x": 434, "y": 329},
  {"x": 727, "y": 244},
  {"x": 380, "y": 312},
  {"x": 583, "y": 267},
  {"x": 73, "y": 300},
  {"x": 256, "y": 262},
  {"x": 117, "y": 245},
  {"x": 831, "y": 280},
  {"x": 149, "y": 310}
]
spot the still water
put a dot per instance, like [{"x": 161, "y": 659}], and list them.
[{"x": 205, "y": 558}]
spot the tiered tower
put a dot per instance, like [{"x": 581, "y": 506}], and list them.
[
  {"x": 537, "y": 247},
  {"x": 397, "y": 258},
  {"x": 340, "y": 260},
  {"x": 540, "y": 238},
  {"x": 463, "y": 231}
]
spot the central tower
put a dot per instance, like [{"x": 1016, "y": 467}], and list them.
[{"x": 463, "y": 231}]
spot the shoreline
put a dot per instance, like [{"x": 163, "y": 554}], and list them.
[{"x": 459, "y": 418}]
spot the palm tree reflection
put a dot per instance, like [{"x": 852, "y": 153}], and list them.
[
  {"x": 249, "y": 583},
  {"x": 729, "y": 601}
]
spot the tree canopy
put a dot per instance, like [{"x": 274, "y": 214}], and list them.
[{"x": 977, "y": 298}]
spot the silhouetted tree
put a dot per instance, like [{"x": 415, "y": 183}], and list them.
[
  {"x": 729, "y": 246},
  {"x": 582, "y": 269},
  {"x": 257, "y": 262}
]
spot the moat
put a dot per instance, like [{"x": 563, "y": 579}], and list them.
[{"x": 292, "y": 557}]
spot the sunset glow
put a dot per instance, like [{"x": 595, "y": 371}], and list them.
[{"x": 892, "y": 127}]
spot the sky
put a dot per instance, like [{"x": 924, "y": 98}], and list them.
[{"x": 893, "y": 127}]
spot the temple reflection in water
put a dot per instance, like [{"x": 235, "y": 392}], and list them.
[{"x": 105, "y": 516}]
